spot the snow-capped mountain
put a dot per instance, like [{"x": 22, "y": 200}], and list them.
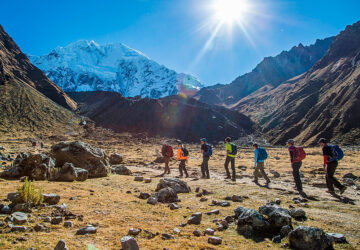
[{"x": 88, "y": 66}]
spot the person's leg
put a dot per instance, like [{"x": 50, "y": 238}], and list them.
[
  {"x": 181, "y": 168},
  {"x": 207, "y": 167},
  {"x": 296, "y": 173},
  {"x": 184, "y": 168},
  {"x": 256, "y": 174},
  {"x": 233, "y": 169},
  {"x": 227, "y": 160},
  {"x": 203, "y": 168},
  {"x": 335, "y": 182},
  {"x": 167, "y": 168},
  {"x": 262, "y": 171},
  {"x": 330, "y": 170}
]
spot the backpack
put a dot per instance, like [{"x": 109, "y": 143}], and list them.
[
  {"x": 338, "y": 154},
  {"x": 209, "y": 150},
  {"x": 299, "y": 154},
  {"x": 167, "y": 151},
  {"x": 233, "y": 149},
  {"x": 262, "y": 155},
  {"x": 185, "y": 152}
]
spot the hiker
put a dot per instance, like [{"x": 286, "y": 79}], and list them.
[
  {"x": 260, "y": 157},
  {"x": 332, "y": 154},
  {"x": 231, "y": 151},
  {"x": 167, "y": 152},
  {"x": 182, "y": 156},
  {"x": 297, "y": 154},
  {"x": 206, "y": 151}
]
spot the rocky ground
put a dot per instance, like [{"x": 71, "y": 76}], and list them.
[{"x": 112, "y": 205}]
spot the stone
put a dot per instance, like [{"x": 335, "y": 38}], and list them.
[
  {"x": 61, "y": 245},
  {"x": 51, "y": 199},
  {"x": 297, "y": 213},
  {"x": 338, "y": 238},
  {"x": 22, "y": 238},
  {"x": 22, "y": 207},
  {"x": 277, "y": 201},
  {"x": 203, "y": 199},
  {"x": 167, "y": 195},
  {"x": 138, "y": 178},
  {"x": 285, "y": 230},
  {"x": 199, "y": 195},
  {"x": 275, "y": 174},
  {"x": 39, "y": 228},
  {"x": 229, "y": 219},
  {"x": 179, "y": 186},
  {"x": 19, "y": 218},
  {"x": 115, "y": 159},
  {"x": 121, "y": 170},
  {"x": 68, "y": 224},
  {"x": 47, "y": 219},
  {"x": 214, "y": 240},
  {"x": 82, "y": 155},
  {"x": 86, "y": 230},
  {"x": 350, "y": 176},
  {"x": 278, "y": 219},
  {"x": 18, "y": 228},
  {"x": 129, "y": 243},
  {"x": 56, "y": 220},
  {"x": 5, "y": 209},
  {"x": 197, "y": 190},
  {"x": 197, "y": 233},
  {"x": 176, "y": 230},
  {"x": 152, "y": 201},
  {"x": 144, "y": 195},
  {"x": 309, "y": 238},
  {"x": 134, "y": 231},
  {"x": 249, "y": 221},
  {"x": 224, "y": 204},
  {"x": 173, "y": 206},
  {"x": 147, "y": 180},
  {"x": 68, "y": 172},
  {"x": 276, "y": 239},
  {"x": 215, "y": 211},
  {"x": 209, "y": 231},
  {"x": 167, "y": 237},
  {"x": 236, "y": 198},
  {"x": 159, "y": 159},
  {"x": 195, "y": 218},
  {"x": 62, "y": 208},
  {"x": 13, "y": 197}
]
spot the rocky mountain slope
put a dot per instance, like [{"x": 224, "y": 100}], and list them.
[
  {"x": 87, "y": 66},
  {"x": 323, "y": 102},
  {"x": 173, "y": 116},
  {"x": 25, "y": 93},
  {"x": 271, "y": 71}
]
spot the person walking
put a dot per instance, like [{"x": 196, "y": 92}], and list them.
[
  {"x": 206, "y": 151},
  {"x": 167, "y": 152},
  {"x": 297, "y": 154},
  {"x": 231, "y": 151},
  {"x": 331, "y": 157},
  {"x": 182, "y": 156},
  {"x": 260, "y": 155}
]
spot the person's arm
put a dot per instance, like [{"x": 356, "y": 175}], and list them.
[
  {"x": 326, "y": 156},
  {"x": 291, "y": 155},
  {"x": 228, "y": 149},
  {"x": 256, "y": 156},
  {"x": 178, "y": 154}
]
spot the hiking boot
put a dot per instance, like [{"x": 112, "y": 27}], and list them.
[
  {"x": 187, "y": 176},
  {"x": 203, "y": 177},
  {"x": 330, "y": 192},
  {"x": 255, "y": 181},
  {"x": 208, "y": 177},
  {"x": 342, "y": 190},
  {"x": 227, "y": 177},
  {"x": 233, "y": 179},
  {"x": 268, "y": 182}
]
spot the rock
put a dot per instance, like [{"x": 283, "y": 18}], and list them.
[
  {"x": 176, "y": 230},
  {"x": 47, "y": 219},
  {"x": 350, "y": 176},
  {"x": 159, "y": 159},
  {"x": 215, "y": 211},
  {"x": 269, "y": 208},
  {"x": 62, "y": 208},
  {"x": 56, "y": 220},
  {"x": 275, "y": 174},
  {"x": 147, "y": 180},
  {"x": 199, "y": 195},
  {"x": 278, "y": 219},
  {"x": 13, "y": 197},
  {"x": 22, "y": 238},
  {"x": 276, "y": 239},
  {"x": 167, "y": 237},
  {"x": 179, "y": 186},
  {"x": 18, "y": 228},
  {"x": 61, "y": 245},
  {"x": 115, "y": 159},
  {"x": 82, "y": 155},
  {"x": 195, "y": 218},
  {"x": 298, "y": 213},
  {"x": 309, "y": 238},
  {"x": 197, "y": 190},
  {"x": 209, "y": 231},
  {"x": 277, "y": 201},
  {"x": 39, "y": 228},
  {"x": 183, "y": 224},
  {"x": 152, "y": 201},
  {"x": 221, "y": 203},
  {"x": 144, "y": 195},
  {"x": 167, "y": 195},
  {"x": 173, "y": 206},
  {"x": 129, "y": 243},
  {"x": 134, "y": 231},
  {"x": 68, "y": 172},
  {"x": 51, "y": 199},
  {"x": 285, "y": 230},
  {"x": 205, "y": 192},
  {"x": 215, "y": 240},
  {"x": 22, "y": 207},
  {"x": 19, "y": 218},
  {"x": 203, "y": 199},
  {"x": 224, "y": 224},
  {"x": 236, "y": 198},
  {"x": 5, "y": 209},
  {"x": 121, "y": 170},
  {"x": 86, "y": 230},
  {"x": 249, "y": 221},
  {"x": 338, "y": 238},
  {"x": 348, "y": 182},
  {"x": 68, "y": 224},
  {"x": 197, "y": 233},
  {"x": 23, "y": 178},
  {"x": 138, "y": 178},
  {"x": 229, "y": 219}
]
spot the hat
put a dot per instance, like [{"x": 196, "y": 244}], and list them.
[
  {"x": 323, "y": 140},
  {"x": 291, "y": 141},
  {"x": 203, "y": 139}
]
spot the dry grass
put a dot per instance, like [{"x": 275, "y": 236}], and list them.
[{"x": 115, "y": 211}]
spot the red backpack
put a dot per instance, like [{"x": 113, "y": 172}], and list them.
[
  {"x": 167, "y": 151},
  {"x": 299, "y": 154}
]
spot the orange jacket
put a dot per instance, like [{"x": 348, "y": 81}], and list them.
[{"x": 180, "y": 155}]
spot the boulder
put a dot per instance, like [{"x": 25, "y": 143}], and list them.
[
  {"x": 82, "y": 155},
  {"x": 298, "y": 213},
  {"x": 5, "y": 209},
  {"x": 86, "y": 230},
  {"x": 19, "y": 218},
  {"x": 144, "y": 195},
  {"x": 338, "y": 238},
  {"x": 209, "y": 231},
  {"x": 285, "y": 230},
  {"x": 195, "y": 218},
  {"x": 129, "y": 243},
  {"x": 22, "y": 207},
  {"x": 121, "y": 170},
  {"x": 134, "y": 231},
  {"x": 278, "y": 218},
  {"x": 350, "y": 176},
  {"x": 167, "y": 195},
  {"x": 13, "y": 197},
  {"x": 152, "y": 201},
  {"x": 309, "y": 238},
  {"x": 115, "y": 159},
  {"x": 159, "y": 159},
  {"x": 51, "y": 199},
  {"x": 61, "y": 245},
  {"x": 250, "y": 221},
  {"x": 56, "y": 220},
  {"x": 215, "y": 240},
  {"x": 197, "y": 233},
  {"x": 147, "y": 180},
  {"x": 178, "y": 185}
]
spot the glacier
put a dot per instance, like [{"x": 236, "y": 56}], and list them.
[{"x": 87, "y": 66}]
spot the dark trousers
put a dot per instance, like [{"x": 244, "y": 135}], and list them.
[
  {"x": 259, "y": 170},
  {"x": 296, "y": 173},
  {"x": 182, "y": 167},
  {"x": 331, "y": 181},
  {"x": 205, "y": 167},
  {"x": 232, "y": 161},
  {"x": 167, "y": 168}
]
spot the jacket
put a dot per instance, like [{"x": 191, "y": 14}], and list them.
[
  {"x": 180, "y": 155},
  {"x": 229, "y": 150},
  {"x": 256, "y": 154}
]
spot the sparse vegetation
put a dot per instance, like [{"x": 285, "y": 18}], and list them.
[{"x": 28, "y": 193}]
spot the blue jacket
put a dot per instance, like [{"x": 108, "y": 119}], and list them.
[{"x": 256, "y": 153}]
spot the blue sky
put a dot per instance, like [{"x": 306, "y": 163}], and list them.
[{"x": 175, "y": 32}]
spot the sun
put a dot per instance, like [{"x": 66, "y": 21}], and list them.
[{"x": 230, "y": 11}]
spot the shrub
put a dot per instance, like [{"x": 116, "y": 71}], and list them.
[{"x": 28, "y": 194}]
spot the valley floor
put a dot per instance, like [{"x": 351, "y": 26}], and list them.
[{"x": 114, "y": 210}]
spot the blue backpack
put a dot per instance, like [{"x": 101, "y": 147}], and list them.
[
  {"x": 262, "y": 155},
  {"x": 337, "y": 152},
  {"x": 209, "y": 150}
]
